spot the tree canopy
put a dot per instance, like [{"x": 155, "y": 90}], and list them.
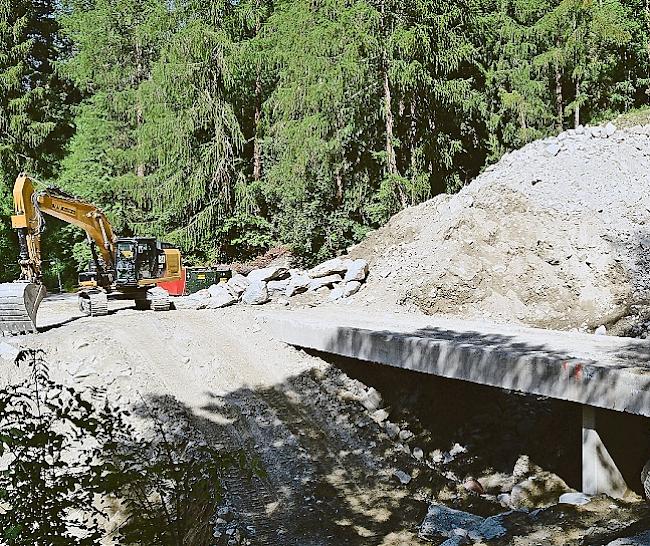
[{"x": 227, "y": 127}]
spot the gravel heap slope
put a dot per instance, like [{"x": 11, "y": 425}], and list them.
[{"x": 553, "y": 235}]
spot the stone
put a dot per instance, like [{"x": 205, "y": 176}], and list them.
[
  {"x": 601, "y": 330},
  {"x": 350, "y": 288},
  {"x": 642, "y": 539},
  {"x": 610, "y": 129},
  {"x": 577, "y": 499},
  {"x": 418, "y": 453},
  {"x": 320, "y": 282},
  {"x": 538, "y": 491},
  {"x": 553, "y": 149},
  {"x": 278, "y": 286},
  {"x": 494, "y": 527},
  {"x": 405, "y": 435},
  {"x": 335, "y": 265},
  {"x": 357, "y": 271},
  {"x": 8, "y": 352},
  {"x": 580, "y": 129},
  {"x": 267, "y": 274},
  {"x": 297, "y": 283},
  {"x": 337, "y": 292},
  {"x": 595, "y": 132},
  {"x": 441, "y": 522},
  {"x": 372, "y": 399},
  {"x": 379, "y": 416},
  {"x": 391, "y": 429},
  {"x": 456, "y": 540},
  {"x": 238, "y": 283},
  {"x": 403, "y": 477},
  {"x": 220, "y": 296},
  {"x": 256, "y": 294}
]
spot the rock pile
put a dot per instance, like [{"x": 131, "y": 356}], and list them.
[
  {"x": 332, "y": 280},
  {"x": 554, "y": 235}
]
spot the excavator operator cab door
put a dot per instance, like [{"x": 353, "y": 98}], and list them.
[{"x": 125, "y": 262}]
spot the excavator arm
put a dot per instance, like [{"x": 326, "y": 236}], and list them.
[
  {"x": 19, "y": 300},
  {"x": 28, "y": 221}
]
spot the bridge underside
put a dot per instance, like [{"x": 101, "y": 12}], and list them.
[{"x": 604, "y": 374}]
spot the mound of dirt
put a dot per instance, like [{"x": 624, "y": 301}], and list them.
[{"x": 553, "y": 235}]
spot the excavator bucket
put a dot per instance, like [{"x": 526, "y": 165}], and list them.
[{"x": 19, "y": 303}]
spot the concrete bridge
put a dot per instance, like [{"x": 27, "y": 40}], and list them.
[{"x": 601, "y": 373}]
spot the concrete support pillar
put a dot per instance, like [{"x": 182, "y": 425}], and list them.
[{"x": 599, "y": 471}]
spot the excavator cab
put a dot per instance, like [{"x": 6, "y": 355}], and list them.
[{"x": 137, "y": 259}]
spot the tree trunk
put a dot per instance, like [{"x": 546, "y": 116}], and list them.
[
  {"x": 391, "y": 161},
  {"x": 257, "y": 153},
  {"x": 559, "y": 99},
  {"x": 139, "y": 115},
  {"x": 257, "y": 117},
  {"x": 576, "y": 113}
]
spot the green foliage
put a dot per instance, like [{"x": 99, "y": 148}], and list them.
[
  {"x": 66, "y": 453},
  {"x": 48, "y": 488},
  {"x": 229, "y": 127}
]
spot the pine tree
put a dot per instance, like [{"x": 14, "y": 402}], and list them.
[
  {"x": 34, "y": 104},
  {"x": 116, "y": 44}
]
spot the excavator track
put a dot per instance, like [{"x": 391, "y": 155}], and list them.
[
  {"x": 93, "y": 303},
  {"x": 158, "y": 299},
  {"x": 19, "y": 302}
]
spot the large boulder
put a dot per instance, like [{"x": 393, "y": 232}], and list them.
[
  {"x": 267, "y": 274},
  {"x": 357, "y": 271},
  {"x": 335, "y": 265},
  {"x": 315, "y": 284},
  {"x": 257, "y": 293},
  {"x": 297, "y": 283},
  {"x": 238, "y": 284},
  {"x": 220, "y": 296},
  {"x": 276, "y": 287}
]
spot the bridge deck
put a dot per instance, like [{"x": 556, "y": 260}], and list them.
[{"x": 600, "y": 371}]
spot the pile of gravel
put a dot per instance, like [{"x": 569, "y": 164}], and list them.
[{"x": 553, "y": 235}]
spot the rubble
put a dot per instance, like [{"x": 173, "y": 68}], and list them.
[{"x": 550, "y": 236}]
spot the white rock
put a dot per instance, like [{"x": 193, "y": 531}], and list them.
[
  {"x": 379, "y": 416},
  {"x": 238, "y": 283},
  {"x": 418, "y": 453},
  {"x": 601, "y": 330},
  {"x": 220, "y": 296},
  {"x": 351, "y": 287},
  {"x": 256, "y": 294},
  {"x": 267, "y": 274},
  {"x": 553, "y": 149},
  {"x": 405, "y": 435},
  {"x": 337, "y": 293},
  {"x": 576, "y": 499},
  {"x": 357, "y": 271},
  {"x": 372, "y": 400},
  {"x": 610, "y": 129},
  {"x": 335, "y": 265},
  {"x": 329, "y": 280},
  {"x": 297, "y": 283},
  {"x": 278, "y": 286},
  {"x": 402, "y": 476},
  {"x": 580, "y": 129}
]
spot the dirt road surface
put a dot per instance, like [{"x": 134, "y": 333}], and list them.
[{"x": 330, "y": 467}]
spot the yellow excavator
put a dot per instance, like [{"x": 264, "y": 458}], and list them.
[{"x": 121, "y": 268}]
